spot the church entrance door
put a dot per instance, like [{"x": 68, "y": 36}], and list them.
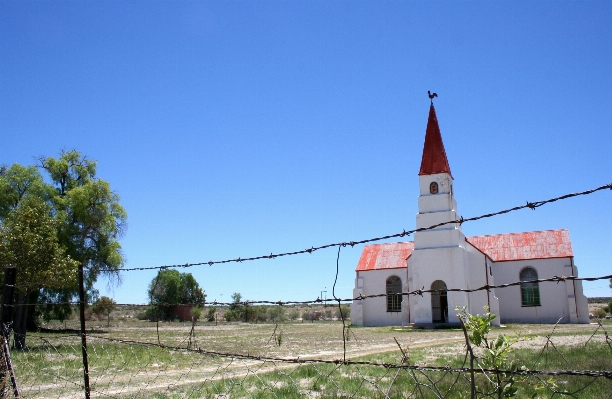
[{"x": 439, "y": 302}]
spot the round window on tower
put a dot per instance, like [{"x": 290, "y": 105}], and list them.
[{"x": 433, "y": 188}]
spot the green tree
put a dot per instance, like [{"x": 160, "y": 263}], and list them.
[
  {"x": 237, "y": 310},
  {"x": 29, "y": 240},
  {"x": 18, "y": 183},
  {"x": 236, "y": 301},
  {"x": 104, "y": 306},
  {"x": 28, "y": 243},
  {"x": 91, "y": 223},
  {"x": 77, "y": 214},
  {"x": 170, "y": 288}
]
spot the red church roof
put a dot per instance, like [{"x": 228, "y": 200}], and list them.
[
  {"x": 434, "y": 156},
  {"x": 391, "y": 255},
  {"x": 521, "y": 246},
  {"x": 499, "y": 247}
]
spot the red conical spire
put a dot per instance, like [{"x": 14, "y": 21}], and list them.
[{"x": 434, "y": 156}]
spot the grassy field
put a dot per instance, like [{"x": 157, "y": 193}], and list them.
[{"x": 51, "y": 367}]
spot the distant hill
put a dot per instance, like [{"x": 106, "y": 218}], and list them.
[{"x": 600, "y": 299}]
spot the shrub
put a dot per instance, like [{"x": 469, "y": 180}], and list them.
[
  {"x": 294, "y": 314},
  {"x": 142, "y": 315},
  {"x": 311, "y": 315},
  {"x": 152, "y": 313},
  {"x": 233, "y": 315},
  {"x": 91, "y": 316},
  {"x": 494, "y": 355},
  {"x": 256, "y": 313},
  {"x": 196, "y": 313},
  {"x": 210, "y": 316},
  {"x": 277, "y": 313},
  {"x": 599, "y": 313},
  {"x": 346, "y": 312},
  {"x": 608, "y": 308}
]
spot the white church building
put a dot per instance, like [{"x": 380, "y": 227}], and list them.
[{"x": 443, "y": 258}]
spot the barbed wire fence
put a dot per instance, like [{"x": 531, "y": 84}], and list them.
[{"x": 261, "y": 362}]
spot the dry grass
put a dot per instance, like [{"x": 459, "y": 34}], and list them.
[{"x": 52, "y": 367}]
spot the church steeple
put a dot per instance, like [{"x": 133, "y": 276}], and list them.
[{"x": 434, "y": 156}]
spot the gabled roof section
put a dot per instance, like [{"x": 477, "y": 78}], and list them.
[
  {"x": 524, "y": 246},
  {"x": 434, "y": 156},
  {"x": 391, "y": 255}
]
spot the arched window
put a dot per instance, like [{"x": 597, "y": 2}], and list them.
[
  {"x": 530, "y": 290},
  {"x": 394, "y": 297},
  {"x": 433, "y": 188}
]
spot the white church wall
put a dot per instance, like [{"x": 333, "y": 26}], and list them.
[
  {"x": 582, "y": 304},
  {"x": 479, "y": 276},
  {"x": 373, "y": 311},
  {"x": 357, "y": 306},
  {"x": 429, "y": 265},
  {"x": 434, "y": 218},
  {"x": 494, "y": 299},
  {"x": 436, "y": 202},
  {"x": 444, "y": 183},
  {"x": 555, "y": 298},
  {"x": 444, "y": 237}
]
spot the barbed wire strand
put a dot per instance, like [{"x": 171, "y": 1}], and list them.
[
  {"x": 461, "y": 220},
  {"x": 297, "y": 360},
  {"x": 419, "y": 292}
]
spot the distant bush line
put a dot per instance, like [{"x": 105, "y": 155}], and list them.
[{"x": 257, "y": 314}]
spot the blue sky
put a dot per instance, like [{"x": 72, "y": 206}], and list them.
[{"x": 235, "y": 129}]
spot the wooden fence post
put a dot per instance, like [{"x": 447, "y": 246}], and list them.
[
  {"x": 6, "y": 318},
  {"x": 83, "y": 336}
]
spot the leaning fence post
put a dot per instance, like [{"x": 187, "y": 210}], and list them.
[
  {"x": 8, "y": 295},
  {"x": 6, "y": 317},
  {"x": 83, "y": 336}
]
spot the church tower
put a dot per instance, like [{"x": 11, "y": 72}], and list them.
[{"x": 441, "y": 258}]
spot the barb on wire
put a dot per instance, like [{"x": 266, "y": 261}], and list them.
[{"x": 461, "y": 220}]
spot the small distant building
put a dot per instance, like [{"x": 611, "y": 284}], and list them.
[
  {"x": 443, "y": 258},
  {"x": 183, "y": 312}
]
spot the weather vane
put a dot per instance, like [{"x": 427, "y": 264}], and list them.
[{"x": 432, "y": 95}]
